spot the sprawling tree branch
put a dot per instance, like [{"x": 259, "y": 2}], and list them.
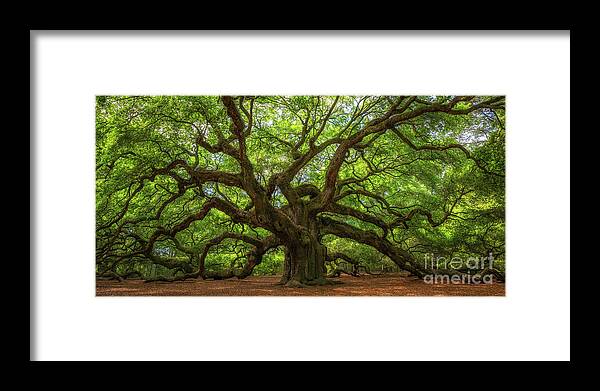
[{"x": 324, "y": 182}]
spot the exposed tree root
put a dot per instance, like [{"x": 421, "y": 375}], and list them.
[
  {"x": 294, "y": 284},
  {"x": 316, "y": 282},
  {"x": 323, "y": 281}
]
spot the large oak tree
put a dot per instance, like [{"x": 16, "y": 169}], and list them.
[{"x": 177, "y": 177}]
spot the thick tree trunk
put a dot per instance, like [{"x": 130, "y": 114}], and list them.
[
  {"x": 305, "y": 256},
  {"x": 304, "y": 262}
]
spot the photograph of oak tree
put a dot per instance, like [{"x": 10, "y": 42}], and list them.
[{"x": 300, "y": 195}]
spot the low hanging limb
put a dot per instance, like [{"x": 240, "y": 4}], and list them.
[
  {"x": 356, "y": 265},
  {"x": 259, "y": 248},
  {"x": 496, "y": 273}
]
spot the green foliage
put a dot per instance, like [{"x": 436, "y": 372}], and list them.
[
  {"x": 271, "y": 264},
  {"x": 137, "y": 135}
]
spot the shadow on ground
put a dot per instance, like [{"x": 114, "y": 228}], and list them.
[{"x": 387, "y": 285}]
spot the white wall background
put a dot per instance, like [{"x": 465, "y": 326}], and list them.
[{"x": 531, "y": 323}]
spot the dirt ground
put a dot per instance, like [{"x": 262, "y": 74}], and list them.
[{"x": 368, "y": 285}]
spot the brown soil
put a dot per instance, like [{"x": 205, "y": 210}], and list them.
[{"x": 368, "y": 285}]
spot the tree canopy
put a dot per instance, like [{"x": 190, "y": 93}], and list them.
[{"x": 222, "y": 187}]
